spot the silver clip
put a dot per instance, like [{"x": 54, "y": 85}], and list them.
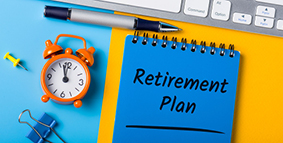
[{"x": 19, "y": 119}]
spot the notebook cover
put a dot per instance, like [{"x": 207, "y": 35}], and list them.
[{"x": 151, "y": 110}]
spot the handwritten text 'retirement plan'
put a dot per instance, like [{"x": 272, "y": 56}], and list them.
[
  {"x": 178, "y": 82},
  {"x": 166, "y": 80}
]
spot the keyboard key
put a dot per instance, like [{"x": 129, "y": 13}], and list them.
[
  {"x": 277, "y": 2},
  {"x": 280, "y": 24},
  {"x": 242, "y": 18},
  {"x": 264, "y": 22},
  {"x": 221, "y": 10},
  {"x": 196, "y": 7},
  {"x": 265, "y": 11}
]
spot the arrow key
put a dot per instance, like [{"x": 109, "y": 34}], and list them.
[
  {"x": 264, "y": 22},
  {"x": 265, "y": 11},
  {"x": 242, "y": 18}
]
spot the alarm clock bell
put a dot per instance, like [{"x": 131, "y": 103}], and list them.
[{"x": 53, "y": 49}]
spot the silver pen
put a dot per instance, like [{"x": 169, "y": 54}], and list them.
[{"x": 107, "y": 19}]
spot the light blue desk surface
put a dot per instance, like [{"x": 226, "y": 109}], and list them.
[{"x": 23, "y": 32}]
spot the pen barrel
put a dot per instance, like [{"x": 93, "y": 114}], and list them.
[
  {"x": 56, "y": 12},
  {"x": 148, "y": 25},
  {"x": 105, "y": 19}
]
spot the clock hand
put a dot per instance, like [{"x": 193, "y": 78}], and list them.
[
  {"x": 65, "y": 78},
  {"x": 67, "y": 66},
  {"x": 64, "y": 70}
]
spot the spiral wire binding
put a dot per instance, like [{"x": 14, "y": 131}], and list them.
[
  {"x": 212, "y": 51},
  {"x": 154, "y": 42},
  {"x": 232, "y": 51},
  {"x": 164, "y": 43},
  {"x": 27, "y": 110},
  {"x": 174, "y": 45},
  {"x": 222, "y": 51},
  {"x": 203, "y": 45},
  {"x": 145, "y": 38},
  {"x": 194, "y": 45},
  {"x": 184, "y": 44},
  {"x": 135, "y": 39}
]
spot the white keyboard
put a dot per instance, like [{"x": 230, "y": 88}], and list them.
[
  {"x": 170, "y": 5},
  {"x": 257, "y": 16}
]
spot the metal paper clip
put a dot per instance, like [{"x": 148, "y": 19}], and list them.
[{"x": 44, "y": 117}]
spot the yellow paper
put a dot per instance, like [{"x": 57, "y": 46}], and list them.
[{"x": 258, "y": 116}]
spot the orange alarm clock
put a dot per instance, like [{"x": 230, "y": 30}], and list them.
[{"x": 65, "y": 78}]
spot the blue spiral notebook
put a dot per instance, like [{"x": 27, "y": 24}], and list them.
[{"x": 174, "y": 92}]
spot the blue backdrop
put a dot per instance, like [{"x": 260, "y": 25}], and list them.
[{"x": 23, "y": 32}]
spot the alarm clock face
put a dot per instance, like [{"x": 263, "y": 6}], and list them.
[{"x": 65, "y": 78}]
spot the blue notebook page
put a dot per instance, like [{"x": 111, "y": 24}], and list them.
[{"x": 168, "y": 95}]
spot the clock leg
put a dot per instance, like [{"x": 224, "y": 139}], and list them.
[
  {"x": 44, "y": 98},
  {"x": 78, "y": 103}
]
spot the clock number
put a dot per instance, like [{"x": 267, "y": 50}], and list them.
[
  {"x": 49, "y": 76},
  {"x": 62, "y": 94},
  {"x": 81, "y": 82},
  {"x": 68, "y": 65}
]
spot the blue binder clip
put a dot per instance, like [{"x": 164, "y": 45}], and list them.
[{"x": 41, "y": 129}]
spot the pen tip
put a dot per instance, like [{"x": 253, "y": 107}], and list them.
[{"x": 164, "y": 27}]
